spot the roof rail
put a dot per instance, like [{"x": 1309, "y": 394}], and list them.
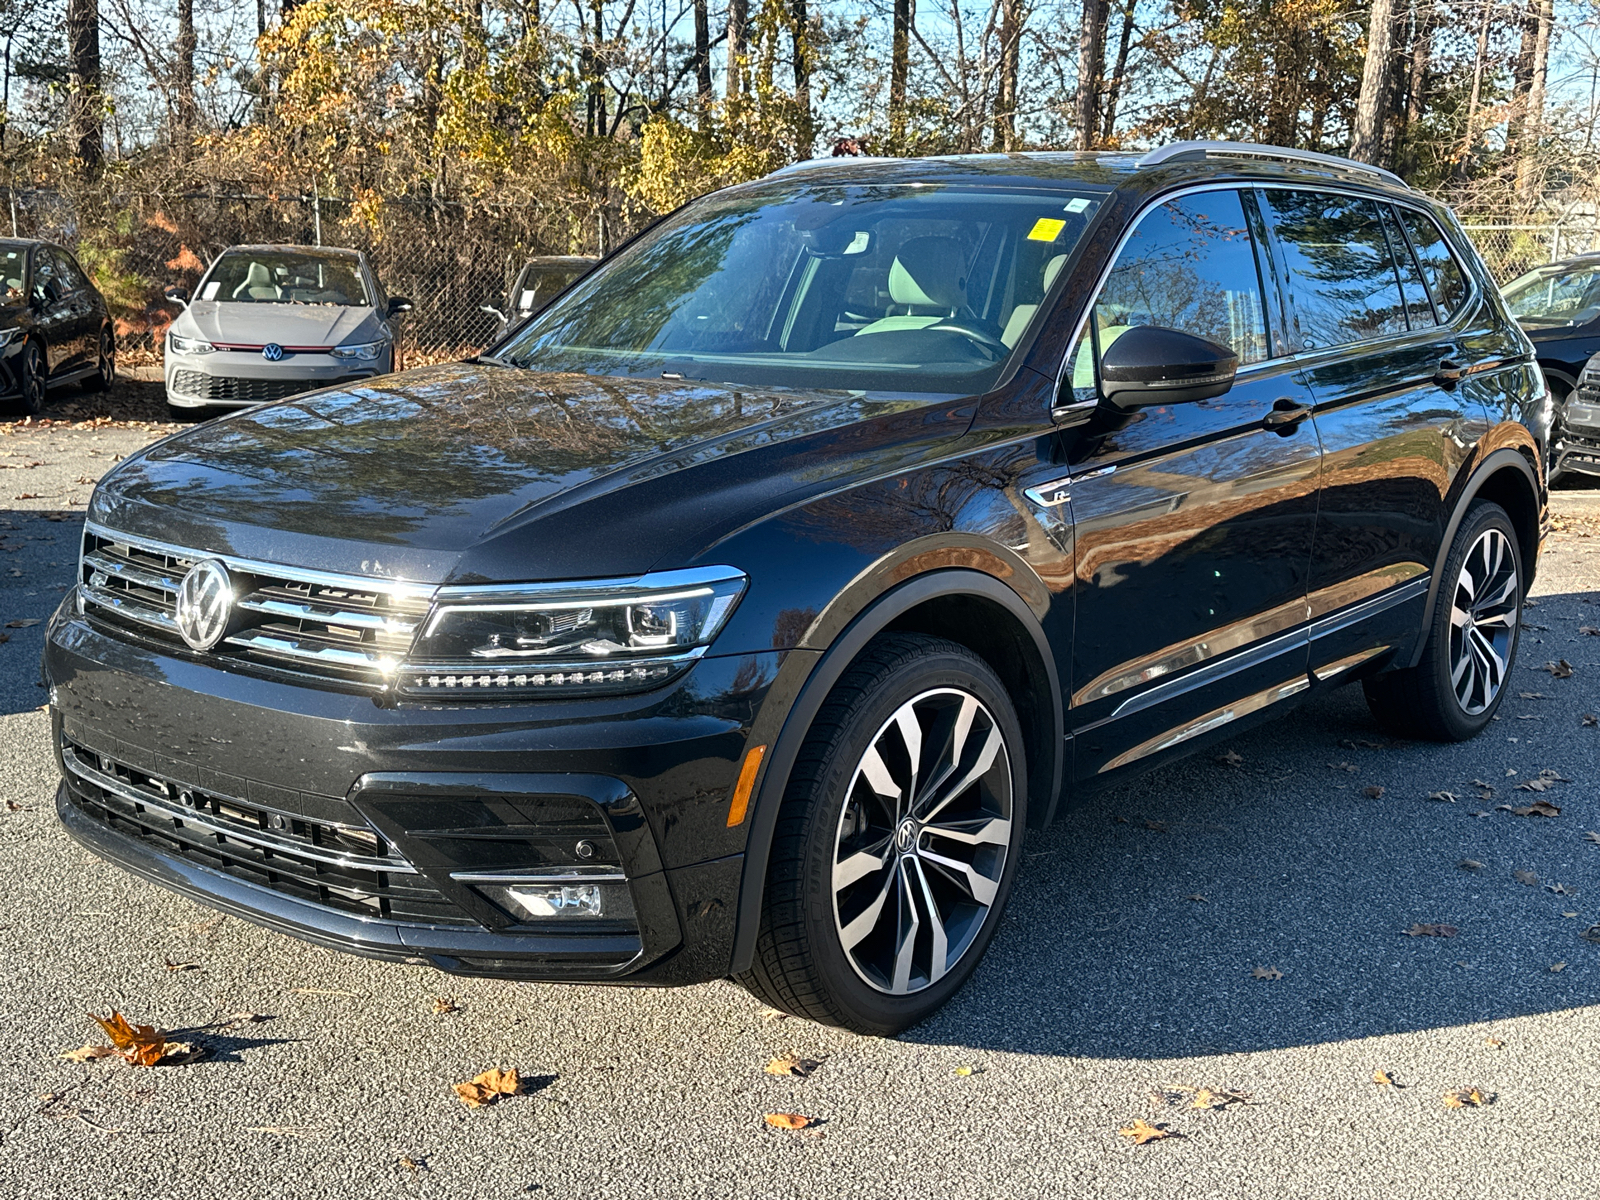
[{"x": 1192, "y": 151}]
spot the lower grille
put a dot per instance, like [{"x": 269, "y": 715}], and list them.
[
  {"x": 350, "y": 869},
  {"x": 232, "y": 389}
]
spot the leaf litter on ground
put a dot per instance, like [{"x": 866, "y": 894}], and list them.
[
  {"x": 1526, "y": 878},
  {"x": 792, "y": 1065},
  {"x": 781, "y": 1120},
  {"x": 487, "y": 1087},
  {"x": 1266, "y": 973},
  {"x": 1467, "y": 1097},
  {"x": 1141, "y": 1131},
  {"x": 1443, "y": 931},
  {"x": 137, "y": 1045}
]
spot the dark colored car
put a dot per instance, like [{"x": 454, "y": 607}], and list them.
[
  {"x": 737, "y": 614},
  {"x": 54, "y": 325},
  {"x": 539, "y": 281},
  {"x": 1558, "y": 306}
]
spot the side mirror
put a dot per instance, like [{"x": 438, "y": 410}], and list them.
[
  {"x": 177, "y": 295},
  {"x": 398, "y": 305},
  {"x": 1150, "y": 365},
  {"x": 493, "y": 312}
]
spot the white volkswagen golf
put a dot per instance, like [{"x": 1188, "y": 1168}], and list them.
[{"x": 267, "y": 322}]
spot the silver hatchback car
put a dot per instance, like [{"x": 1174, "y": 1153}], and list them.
[{"x": 267, "y": 322}]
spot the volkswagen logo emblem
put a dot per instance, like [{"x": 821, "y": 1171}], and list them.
[
  {"x": 272, "y": 352},
  {"x": 204, "y": 605}
]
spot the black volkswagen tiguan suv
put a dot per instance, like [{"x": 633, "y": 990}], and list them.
[{"x": 738, "y": 612}]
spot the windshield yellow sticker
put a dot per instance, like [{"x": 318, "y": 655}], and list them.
[{"x": 1046, "y": 229}]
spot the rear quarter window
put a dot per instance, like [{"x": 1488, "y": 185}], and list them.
[{"x": 1446, "y": 279}]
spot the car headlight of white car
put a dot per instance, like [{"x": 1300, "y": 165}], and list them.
[
  {"x": 364, "y": 352},
  {"x": 183, "y": 345}
]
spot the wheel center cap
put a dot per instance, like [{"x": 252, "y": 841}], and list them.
[{"x": 905, "y": 837}]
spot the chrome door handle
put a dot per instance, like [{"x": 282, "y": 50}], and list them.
[
  {"x": 1449, "y": 373},
  {"x": 1285, "y": 415}
]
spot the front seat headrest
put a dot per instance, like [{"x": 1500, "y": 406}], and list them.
[{"x": 929, "y": 272}]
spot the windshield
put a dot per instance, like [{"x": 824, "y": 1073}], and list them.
[
  {"x": 13, "y": 274},
  {"x": 284, "y": 277},
  {"x": 1556, "y": 296},
  {"x": 870, "y": 287}
]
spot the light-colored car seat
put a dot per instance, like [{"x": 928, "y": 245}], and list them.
[
  {"x": 257, "y": 284},
  {"x": 927, "y": 278},
  {"x": 1023, "y": 313}
]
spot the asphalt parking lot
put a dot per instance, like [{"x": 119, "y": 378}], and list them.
[{"x": 1122, "y": 980}]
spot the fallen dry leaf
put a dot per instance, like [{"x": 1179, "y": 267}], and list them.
[
  {"x": 413, "y": 1164},
  {"x": 787, "y": 1120},
  {"x": 182, "y": 966},
  {"x": 1591, "y": 934},
  {"x": 1467, "y": 1097},
  {"x": 1384, "y": 1079},
  {"x": 1494, "y": 1043},
  {"x": 1432, "y": 931},
  {"x": 1539, "y": 808},
  {"x": 489, "y": 1087},
  {"x": 13, "y": 806},
  {"x": 1590, "y": 720},
  {"x": 1533, "y": 695},
  {"x": 89, "y": 1053},
  {"x": 1561, "y": 669},
  {"x": 1343, "y": 766},
  {"x": 1486, "y": 788},
  {"x": 23, "y": 623},
  {"x": 1526, "y": 878},
  {"x": 1591, "y": 630},
  {"x": 1557, "y": 968},
  {"x": 1230, "y": 758},
  {"x": 1373, "y": 791},
  {"x": 1591, "y": 836},
  {"x": 1155, "y": 826},
  {"x": 1218, "y": 1098},
  {"x": 792, "y": 1064},
  {"x": 141, "y": 1045},
  {"x": 1266, "y": 973},
  {"x": 1199, "y": 899},
  {"x": 774, "y": 1014},
  {"x": 1141, "y": 1131},
  {"x": 1470, "y": 864},
  {"x": 963, "y": 1072},
  {"x": 444, "y": 1004},
  {"x": 1447, "y": 797},
  {"x": 1560, "y": 889}
]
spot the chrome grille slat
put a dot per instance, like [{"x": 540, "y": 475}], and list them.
[{"x": 313, "y": 624}]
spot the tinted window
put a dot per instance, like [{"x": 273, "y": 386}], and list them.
[
  {"x": 1412, "y": 286},
  {"x": 1342, "y": 280},
  {"x": 72, "y": 277},
  {"x": 1446, "y": 280},
  {"x": 13, "y": 272},
  {"x": 1190, "y": 264},
  {"x": 45, "y": 285},
  {"x": 1556, "y": 296}
]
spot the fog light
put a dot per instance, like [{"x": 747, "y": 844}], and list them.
[{"x": 561, "y": 900}]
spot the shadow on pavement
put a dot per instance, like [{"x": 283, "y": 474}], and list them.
[{"x": 1106, "y": 952}]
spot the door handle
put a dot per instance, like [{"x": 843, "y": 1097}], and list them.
[
  {"x": 1449, "y": 372},
  {"x": 1286, "y": 414}
]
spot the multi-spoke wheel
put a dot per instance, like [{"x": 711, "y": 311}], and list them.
[
  {"x": 1483, "y": 620},
  {"x": 105, "y": 363},
  {"x": 1455, "y": 688},
  {"x": 922, "y": 841},
  {"x": 32, "y": 379},
  {"x": 897, "y": 840}
]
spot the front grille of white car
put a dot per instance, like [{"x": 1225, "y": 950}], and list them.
[
  {"x": 231, "y": 389},
  {"x": 345, "y": 629}
]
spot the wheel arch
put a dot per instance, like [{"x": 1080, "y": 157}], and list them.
[
  {"x": 966, "y": 606},
  {"x": 1507, "y": 477}
]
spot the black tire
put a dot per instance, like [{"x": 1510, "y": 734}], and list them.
[
  {"x": 1427, "y": 700},
  {"x": 33, "y": 380},
  {"x": 801, "y": 963},
  {"x": 105, "y": 364},
  {"x": 185, "y": 416}
]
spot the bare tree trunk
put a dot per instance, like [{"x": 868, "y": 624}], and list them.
[
  {"x": 1005, "y": 101},
  {"x": 1533, "y": 121},
  {"x": 593, "y": 63},
  {"x": 1367, "y": 144},
  {"x": 1421, "y": 57},
  {"x": 1470, "y": 140},
  {"x": 183, "y": 78},
  {"x": 1108, "y": 121},
  {"x": 702, "y": 60},
  {"x": 1290, "y": 67},
  {"x": 800, "y": 31},
  {"x": 85, "y": 107},
  {"x": 905, "y": 16},
  {"x": 738, "y": 24},
  {"x": 1091, "y": 67}
]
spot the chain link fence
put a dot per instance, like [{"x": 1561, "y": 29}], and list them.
[{"x": 1511, "y": 250}]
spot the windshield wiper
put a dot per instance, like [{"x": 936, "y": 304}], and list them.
[{"x": 495, "y": 361}]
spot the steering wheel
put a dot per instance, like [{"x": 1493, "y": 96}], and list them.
[{"x": 985, "y": 340}]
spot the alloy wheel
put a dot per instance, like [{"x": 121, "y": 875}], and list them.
[
  {"x": 1483, "y": 621},
  {"x": 922, "y": 841},
  {"x": 33, "y": 381},
  {"x": 108, "y": 360}
]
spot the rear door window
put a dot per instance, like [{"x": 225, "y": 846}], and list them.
[
  {"x": 1342, "y": 281},
  {"x": 1446, "y": 280}
]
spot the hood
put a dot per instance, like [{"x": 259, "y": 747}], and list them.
[
  {"x": 256, "y": 324},
  {"x": 471, "y": 473}
]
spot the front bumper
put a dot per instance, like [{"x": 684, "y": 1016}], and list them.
[
  {"x": 238, "y": 378},
  {"x": 445, "y": 790}
]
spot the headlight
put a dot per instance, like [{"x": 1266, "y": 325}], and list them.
[
  {"x": 183, "y": 345},
  {"x": 7, "y": 336},
  {"x": 569, "y": 639},
  {"x": 365, "y": 352}
]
